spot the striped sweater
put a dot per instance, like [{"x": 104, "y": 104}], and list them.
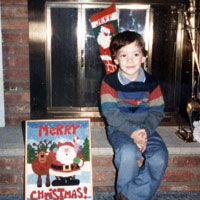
[{"x": 132, "y": 106}]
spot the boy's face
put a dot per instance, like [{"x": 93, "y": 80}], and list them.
[{"x": 129, "y": 58}]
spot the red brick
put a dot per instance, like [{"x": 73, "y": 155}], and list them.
[
  {"x": 198, "y": 177},
  {"x": 169, "y": 162},
  {"x": 104, "y": 188},
  {"x": 16, "y": 119},
  {"x": 22, "y": 178},
  {"x": 16, "y": 74},
  {"x": 17, "y": 97},
  {"x": 16, "y": 61},
  {"x": 11, "y": 163},
  {"x": 11, "y": 191},
  {"x": 114, "y": 176},
  {"x": 15, "y": 86},
  {"x": 178, "y": 176},
  {"x": 14, "y": 24},
  {"x": 163, "y": 188},
  {"x": 8, "y": 178},
  {"x": 14, "y": 12},
  {"x": 15, "y": 37},
  {"x": 14, "y": 2},
  {"x": 18, "y": 108},
  {"x": 16, "y": 49},
  {"x": 186, "y": 161},
  {"x": 100, "y": 176},
  {"x": 102, "y": 161}
]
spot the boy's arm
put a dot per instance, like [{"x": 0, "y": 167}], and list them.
[
  {"x": 111, "y": 111},
  {"x": 156, "y": 111}
]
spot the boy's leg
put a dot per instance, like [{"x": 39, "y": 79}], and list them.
[
  {"x": 156, "y": 160},
  {"x": 144, "y": 186},
  {"x": 126, "y": 158}
]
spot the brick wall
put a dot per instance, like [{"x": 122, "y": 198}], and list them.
[
  {"x": 11, "y": 175},
  {"x": 183, "y": 174},
  {"x": 15, "y": 60}
]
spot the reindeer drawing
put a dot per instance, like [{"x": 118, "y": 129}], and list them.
[{"x": 42, "y": 163}]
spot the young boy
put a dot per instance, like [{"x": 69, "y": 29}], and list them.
[{"x": 132, "y": 104}]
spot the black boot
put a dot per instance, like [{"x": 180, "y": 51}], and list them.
[{"x": 63, "y": 181}]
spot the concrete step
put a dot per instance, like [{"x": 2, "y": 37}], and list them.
[
  {"x": 183, "y": 172},
  {"x": 175, "y": 145},
  {"x": 12, "y": 141}
]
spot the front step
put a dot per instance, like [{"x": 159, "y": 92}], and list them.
[{"x": 183, "y": 172}]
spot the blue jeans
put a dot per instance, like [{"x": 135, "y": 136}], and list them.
[{"x": 134, "y": 182}]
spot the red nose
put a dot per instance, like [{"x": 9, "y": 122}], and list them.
[{"x": 66, "y": 150}]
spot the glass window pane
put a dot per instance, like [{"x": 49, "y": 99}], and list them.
[
  {"x": 131, "y": 19},
  {"x": 94, "y": 67},
  {"x": 65, "y": 68},
  {"x": 64, "y": 59}
]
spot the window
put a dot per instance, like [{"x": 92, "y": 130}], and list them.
[
  {"x": 74, "y": 69},
  {"x": 65, "y": 65}
]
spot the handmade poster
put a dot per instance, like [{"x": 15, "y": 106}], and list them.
[{"x": 58, "y": 160}]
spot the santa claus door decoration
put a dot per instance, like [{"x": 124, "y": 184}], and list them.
[
  {"x": 105, "y": 27},
  {"x": 58, "y": 160}
]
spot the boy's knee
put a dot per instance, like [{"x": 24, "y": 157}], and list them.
[
  {"x": 130, "y": 151},
  {"x": 160, "y": 159}
]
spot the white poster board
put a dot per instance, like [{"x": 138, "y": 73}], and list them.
[{"x": 58, "y": 160}]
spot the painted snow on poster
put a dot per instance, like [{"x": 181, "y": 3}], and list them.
[{"x": 58, "y": 160}]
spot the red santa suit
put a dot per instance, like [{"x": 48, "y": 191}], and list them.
[{"x": 67, "y": 161}]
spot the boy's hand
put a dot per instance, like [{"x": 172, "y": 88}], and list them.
[{"x": 140, "y": 138}]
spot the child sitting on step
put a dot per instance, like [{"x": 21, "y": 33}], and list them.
[{"x": 132, "y": 104}]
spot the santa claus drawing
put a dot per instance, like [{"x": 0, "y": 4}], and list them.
[
  {"x": 66, "y": 163},
  {"x": 104, "y": 38}
]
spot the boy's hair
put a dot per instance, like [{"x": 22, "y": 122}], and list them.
[{"x": 124, "y": 38}]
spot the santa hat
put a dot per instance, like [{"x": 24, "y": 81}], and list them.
[
  {"x": 110, "y": 27},
  {"x": 60, "y": 144},
  {"x": 75, "y": 140}
]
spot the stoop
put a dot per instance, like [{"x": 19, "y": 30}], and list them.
[{"x": 183, "y": 172}]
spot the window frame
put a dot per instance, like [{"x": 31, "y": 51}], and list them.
[{"x": 87, "y": 111}]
